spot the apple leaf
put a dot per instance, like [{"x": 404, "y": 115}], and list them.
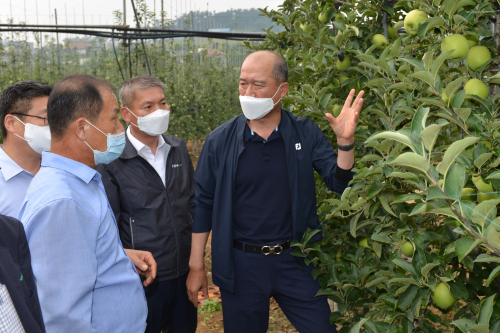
[
  {"x": 396, "y": 136},
  {"x": 464, "y": 324},
  {"x": 486, "y": 310},
  {"x": 465, "y": 245},
  {"x": 412, "y": 161},
  {"x": 425, "y": 76},
  {"x": 483, "y": 257},
  {"x": 494, "y": 175},
  {"x": 430, "y": 134},
  {"x": 493, "y": 275},
  {"x": 452, "y": 153},
  {"x": 454, "y": 181},
  {"x": 357, "y": 327},
  {"x": 438, "y": 63},
  {"x": 485, "y": 211},
  {"x": 453, "y": 86}
]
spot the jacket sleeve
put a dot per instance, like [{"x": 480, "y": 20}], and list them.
[
  {"x": 324, "y": 160},
  {"x": 205, "y": 180},
  {"x": 112, "y": 189},
  {"x": 28, "y": 277}
]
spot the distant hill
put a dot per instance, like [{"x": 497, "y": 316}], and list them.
[{"x": 242, "y": 20}]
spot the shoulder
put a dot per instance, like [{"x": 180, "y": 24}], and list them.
[
  {"x": 301, "y": 122},
  {"x": 10, "y": 228},
  {"x": 221, "y": 133}
]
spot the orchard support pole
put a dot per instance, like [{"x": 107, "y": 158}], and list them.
[{"x": 58, "y": 46}]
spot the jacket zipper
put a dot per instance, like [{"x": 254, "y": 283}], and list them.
[{"x": 132, "y": 232}]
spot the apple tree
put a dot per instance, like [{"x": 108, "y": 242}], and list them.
[{"x": 413, "y": 245}]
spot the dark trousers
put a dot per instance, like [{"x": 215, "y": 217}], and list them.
[
  {"x": 258, "y": 278},
  {"x": 169, "y": 309}
]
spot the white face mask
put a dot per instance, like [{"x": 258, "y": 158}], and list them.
[
  {"x": 37, "y": 137},
  {"x": 257, "y": 108},
  {"x": 153, "y": 124}
]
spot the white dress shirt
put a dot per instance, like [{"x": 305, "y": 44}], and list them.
[
  {"x": 158, "y": 161},
  {"x": 14, "y": 182}
]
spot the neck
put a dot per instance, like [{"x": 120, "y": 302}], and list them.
[
  {"x": 74, "y": 149},
  {"x": 266, "y": 125},
  {"x": 148, "y": 140},
  {"x": 23, "y": 155}
]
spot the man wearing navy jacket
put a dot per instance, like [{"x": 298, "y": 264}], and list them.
[
  {"x": 255, "y": 191},
  {"x": 19, "y": 305}
]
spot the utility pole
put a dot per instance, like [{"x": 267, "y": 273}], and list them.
[
  {"x": 162, "y": 26},
  {"x": 208, "y": 22},
  {"x": 58, "y": 46},
  {"x": 124, "y": 12}
]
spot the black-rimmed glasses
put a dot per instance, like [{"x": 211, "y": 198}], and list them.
[{"x": 45, "y": 119}]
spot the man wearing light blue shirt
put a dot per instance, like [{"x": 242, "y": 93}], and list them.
[
  {"x": 25, "y": 131},
  {"x": 85, "y": 281}
]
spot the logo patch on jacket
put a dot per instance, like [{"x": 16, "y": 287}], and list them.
[
  {"x": 298, "y": 146},
  {"x": 176, "y": 165}
]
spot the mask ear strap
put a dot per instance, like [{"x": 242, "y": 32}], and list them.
[
  {"x": 95, "y": 128},
  {"x": 21, "y": 123},
  {"x": 134, "y": 116}
]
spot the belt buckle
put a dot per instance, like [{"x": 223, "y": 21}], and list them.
[{"x": 271, "y": 250}]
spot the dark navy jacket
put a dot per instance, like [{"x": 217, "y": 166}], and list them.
[
  {"x": 307, "y": 149},
  {"x": 16, "y": 274}
]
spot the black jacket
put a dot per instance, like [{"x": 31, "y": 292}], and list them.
[
  {"x": 307, "y": 149},
  {"x": 16, "y": 274},
  {"x": 150, "y": 216}
]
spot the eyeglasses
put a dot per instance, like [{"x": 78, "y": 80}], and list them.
[{"x": 45, "y": 119}]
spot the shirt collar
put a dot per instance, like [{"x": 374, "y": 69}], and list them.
[
  {"x": 138, "y": 145},
  {"x": 249, "y": 134},
  {"x": 8, "y": 167},
  {"x": 73, "y": 167}
]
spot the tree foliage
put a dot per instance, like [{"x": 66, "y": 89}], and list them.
[{"x": 420, "y": 141}]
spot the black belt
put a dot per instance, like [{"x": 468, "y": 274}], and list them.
[{"x": 263, "y": 249}]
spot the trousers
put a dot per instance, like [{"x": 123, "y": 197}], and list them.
[
  {"x": 284, "y": 277},
  {"x": 169, "y": 308}
]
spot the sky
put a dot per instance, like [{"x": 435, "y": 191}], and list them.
[{"x": 101, "y": 11}]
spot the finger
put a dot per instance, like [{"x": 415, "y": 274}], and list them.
[
  {"x": 148, "y": 280},
  {"x": 152, "y": 264},
  {"x": 348, "y": 101},
  {"x": 358, "y": 99},
  {"x": 193, "y": 298},
  {"x": 331, "y": 118},
  {"x": 359, "y": 106},
  {"x": 205, "y": 289}
]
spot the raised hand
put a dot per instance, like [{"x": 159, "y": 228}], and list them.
[{"x": 345, "y": 124}]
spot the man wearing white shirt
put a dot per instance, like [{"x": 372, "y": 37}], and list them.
[
  {"x": 151, "y": 191},
  {"x": 24, "y": 125}
]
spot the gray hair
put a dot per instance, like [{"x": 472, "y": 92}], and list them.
[
  {"x": 141, "y": 82},
  {"x": 280, "y": 67}
]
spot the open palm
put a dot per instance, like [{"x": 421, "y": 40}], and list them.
[{"x": 345, "y": 124}]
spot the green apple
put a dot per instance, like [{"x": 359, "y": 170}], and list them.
[
  {"x": 435, "y": 250},
  {"x": 323, "y": 16},
  {"x": 485, "y": 189},
  {"x": 478, "y": 56},
  {"x": 459, "y": 44},
  {"x": 340, "y": 17},
  {"x": 343, "y": 78},
  {"x": 337, "y": 108},
  {"x": 342, "y": 65},
  {"x": 442, "y": 296},
  {"x": 407, "y": 249},
  {"x": 413, "y": 19},
  {"x": 476, "y": 87},
  {"x": 472, "y": 40},
  {"x": 468, "y": 194},
  {"x": 364, "y": 242},
  {"x": 392, "y": 32},
  {"x": 380, "y": 41},
  {"x": 303, "y": 26}
]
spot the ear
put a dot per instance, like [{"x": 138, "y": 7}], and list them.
[
  {"x": 81, "y": 128},
  {"x": 10, "y": 122},
  {"x": 126, "y": 115},
  {"x": 284, "y": 89}
]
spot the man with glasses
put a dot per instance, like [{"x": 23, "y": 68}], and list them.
[{"x": 25, "y": 131}]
